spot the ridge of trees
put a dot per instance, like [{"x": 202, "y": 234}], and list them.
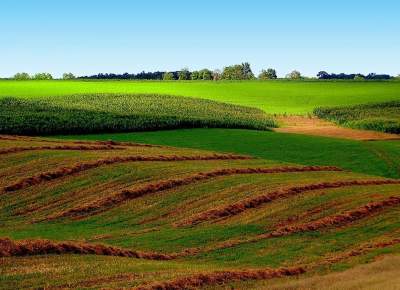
[{"x": 241, "y": 71}]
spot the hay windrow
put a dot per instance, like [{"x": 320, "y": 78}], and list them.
[
  {"x": 125, "y": 195},
  {"x": 250, "y": 203},
  {"x": 222, "y": 277},
  {"x": 343, "y": 219},
  {"x": 83, "y": 166},
  {"x": 10, "y": 248},
  {"x": 59, "y": 147},
  {"x": 338, "y": 220}
]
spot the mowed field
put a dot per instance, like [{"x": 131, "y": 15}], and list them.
[
  {"x": 80, "y": 214},
  {"x": 277, "y": 97},
  {"x": 216, "y": 200}
]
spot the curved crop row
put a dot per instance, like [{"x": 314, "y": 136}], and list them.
[
  {"x": 80, "y": 167},
  {"x": 10, "y": 248},
  {"x": 59, "y": 147},
  {"x": 338, "y": 220},
  {"x": 221, "y": 277},
  {"x": 250, "y": 203},
  {"x": 342, "y": 219},
  {"x": 120, "y": 197}
]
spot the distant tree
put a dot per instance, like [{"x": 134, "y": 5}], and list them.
[
  {"x": 206, "y": 74},
  {"x": 294, "y": 75},
  {"x": 195, "y": 75},
  {"x": 268, "y": 74},
  {"x": 68, "y": 76},
  {"x": 216, "y": 75},
  {"x": 43, "y": 76},
  {"x": 247, "y": 72},
  {"x": 184, "y": 74},
  {"x": 238, "y": 72},
  {"x": 323, "y": 75},
  {"x": 21, "y": 76},
  {"x": 359, "y": 77},
  {"x": 168, "y": 76}
]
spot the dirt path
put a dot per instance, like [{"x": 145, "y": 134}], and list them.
[{"x": 318, "y": 127}]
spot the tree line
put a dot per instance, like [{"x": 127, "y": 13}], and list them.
[
  {"x": 241, "y": 71},
  {"x": 323, "y": 75}
]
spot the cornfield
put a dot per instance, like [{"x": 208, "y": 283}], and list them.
[
  {"x": 384, "y": 117},
  {"x": 98, "y": 113}
]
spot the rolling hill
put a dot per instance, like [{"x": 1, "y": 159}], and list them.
[{"x": 86, "y": 214}]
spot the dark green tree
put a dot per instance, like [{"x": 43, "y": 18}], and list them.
[
  {"x": 268, "y": 74},
  {"x": 21, "y": 76}
]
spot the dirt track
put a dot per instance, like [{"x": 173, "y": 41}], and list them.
[{"x": 318, "y": 127}]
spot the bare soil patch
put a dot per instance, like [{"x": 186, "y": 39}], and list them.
[{"x": 318, "y": 127}]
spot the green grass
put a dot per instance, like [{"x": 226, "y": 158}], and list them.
[
  {"x": 375, "y": 157},
  {"x": 383, "y": 117},
  {"x": 148, "y": 223},
  {"x": 295, "y": 97},
  {"x": 121, "y": 113}
]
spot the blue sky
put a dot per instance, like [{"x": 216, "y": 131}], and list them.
[{"x": 88, "y": 36}]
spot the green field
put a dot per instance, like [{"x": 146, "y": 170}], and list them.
[
  {"x": 199, "y": 205},
  {"x": 374, "y": 157},
  {"x": 306, "y": 220},
  {"x": 122, "y": 113},
  {"x": 294, "y": 97}
]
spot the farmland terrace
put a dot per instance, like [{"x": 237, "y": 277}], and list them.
[{"x": 96, "y": 214}]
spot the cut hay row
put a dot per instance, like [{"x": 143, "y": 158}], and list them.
[
  {"x": 83, "y": 166},
  {"x": 250, "y": 203},
  {"x": 338, "y": 220},
  {"x": 343, "y": 219},
  {"x": 125, "y": 195},
  {"x": 118, "y": 143},
  {"x": 59, "y": 147},
  {"x": 221, "y": 277},
  {"x": 9, "y": 248},
  {"x": 109, "y": 142},
  {"x": 361, "y": 250}
]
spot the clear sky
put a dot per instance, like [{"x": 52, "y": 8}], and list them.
[{"x": 91, "y": 36}]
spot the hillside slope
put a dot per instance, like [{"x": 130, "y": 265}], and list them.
[
  {"x": 106, "y": 214},
  {"x": 276, "y": 97}
]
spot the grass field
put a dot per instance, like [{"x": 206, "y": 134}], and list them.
[
  {"x": 128, "y": 215},
  {"x": 383, "y": 117},
  {"x": 122, "y": 113},
  {"x": 375, "y": 157},
  {"x": 294, "y": 97},
  {"x": 208, "y": 207}
]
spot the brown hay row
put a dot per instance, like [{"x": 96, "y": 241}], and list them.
[
  {"x": 9, "y": 248},
  {"x": 115, "y": 143},
  {"x": 222, "y": 277},
  {"x": 338, "y": 220},
  {"x": 80, "y": 167},
  {"x": 250, "y": 203},
  {"x": 120, "y": 197},
  {"x": 361, "y": 250},
  {"x": 108, "y": 142},
  {"x": 306, "y": 214},
  {"x": 59, "y": 147}
]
